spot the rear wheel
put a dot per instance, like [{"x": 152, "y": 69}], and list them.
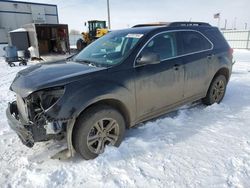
[
  {"x": 216, "y": 90},
  {"x": 12, "y": 64},
  {"x": 96, "y": 128}
]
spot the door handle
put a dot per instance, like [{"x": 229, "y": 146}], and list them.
[
  {"x": 210, "y": 56},
  {"x": 176, "y": 67}
]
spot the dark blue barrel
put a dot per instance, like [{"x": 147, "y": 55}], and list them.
[{"x": 10, "y": 53}]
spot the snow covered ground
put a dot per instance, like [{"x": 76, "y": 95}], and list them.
[{"x": 197, "y": 146}]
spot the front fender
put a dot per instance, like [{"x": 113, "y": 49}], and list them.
[{"x": 78, "y": 97}]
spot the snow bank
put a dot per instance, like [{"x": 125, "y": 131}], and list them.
[
  {"x": 196, "y": 146},
  {"x": 241, "y": 55}
]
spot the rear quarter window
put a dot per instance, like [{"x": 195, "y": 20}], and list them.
[
  {"x": 192, "y": 42},
  {"x": 217, "y": 38}
]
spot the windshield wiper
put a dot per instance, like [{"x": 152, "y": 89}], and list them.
[{"x": 89, "y": 63}]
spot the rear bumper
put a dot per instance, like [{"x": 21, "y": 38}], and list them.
[{"x": 24, "y": 134}]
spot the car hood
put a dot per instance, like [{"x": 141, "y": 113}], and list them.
[{"x": 47, "y": 75}]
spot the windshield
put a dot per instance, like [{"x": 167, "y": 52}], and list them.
[{"x": 110, "y": 49}]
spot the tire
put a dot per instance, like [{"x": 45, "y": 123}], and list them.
[
  {"x": 12, "y": 65},
  {"x": 23, "y": 62},
  {"x": 92, "y": 131},
  {"x": 216, "y": 90},
  {"x": 80, "y": 45}
]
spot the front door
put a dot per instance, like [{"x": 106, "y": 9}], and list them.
[{"x": 159, "y": 85}]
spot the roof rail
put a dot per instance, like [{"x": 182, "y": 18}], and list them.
[
  {"x": 152, "y": 24},
  {"x": 175, "y": 24}
]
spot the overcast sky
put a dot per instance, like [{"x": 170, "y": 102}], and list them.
[{"x": 126, "y": 13}]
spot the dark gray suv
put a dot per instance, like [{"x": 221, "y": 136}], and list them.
[{"x": 122, "y": 79}]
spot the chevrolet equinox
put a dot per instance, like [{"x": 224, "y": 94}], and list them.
[{"x": 123, "y": 78}]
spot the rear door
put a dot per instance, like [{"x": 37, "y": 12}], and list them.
[
  {"x": 197, "y": 57},
  {"x": 159, "y": 85}
]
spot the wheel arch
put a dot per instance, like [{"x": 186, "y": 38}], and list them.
[
  {"x": 222, "y": 71},
  {"x": 114, "y": 103}
]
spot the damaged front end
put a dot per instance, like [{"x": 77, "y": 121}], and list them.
[{"x": 29, "y": 119}]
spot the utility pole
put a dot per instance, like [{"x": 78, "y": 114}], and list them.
[
  {"x": 218, "y": 22},
  {"x": 109, "y": 24},
  {"x": 245, "y": 26},
  {"x": 225, "y": 26},
  {"x": 235, "y": 21}
]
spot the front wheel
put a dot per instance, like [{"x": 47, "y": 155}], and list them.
[
  {"x": 216, "y": 90},
  {"x": 96, "y": 128}
]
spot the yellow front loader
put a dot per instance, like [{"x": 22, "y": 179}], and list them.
[{"x": 96, "y": 29}]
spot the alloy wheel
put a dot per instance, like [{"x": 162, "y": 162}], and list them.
[
  {"x": 218, "y": 91},
  {"x": 103, "y": 132}
]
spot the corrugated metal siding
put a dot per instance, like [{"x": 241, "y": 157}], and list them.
[
  {"x": 25, "y": 7},
  {"x": 15, "y": 14},
  {"x": 5, "y": 36}
]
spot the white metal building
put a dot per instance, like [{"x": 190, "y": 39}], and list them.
[{"x": 14, "y": 14}]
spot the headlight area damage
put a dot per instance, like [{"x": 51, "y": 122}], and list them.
[{"x": 28, "y": 118}]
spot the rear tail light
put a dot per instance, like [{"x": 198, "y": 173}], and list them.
[{"x": 231, "y": 51}]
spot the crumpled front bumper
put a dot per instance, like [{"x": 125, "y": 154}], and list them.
[
  {"x": 24, "y": 134},
  {"x": 28, "y": 138}
]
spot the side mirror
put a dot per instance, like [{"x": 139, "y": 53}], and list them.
[{"x": 148, "y": 58}]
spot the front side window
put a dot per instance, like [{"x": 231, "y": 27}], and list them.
[
  {"x": 193, "y": 42},
  {"x": 163, "y": 44},
  {"x": 110, "y": 49}
]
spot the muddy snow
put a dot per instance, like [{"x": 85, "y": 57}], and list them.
[{"x": 195, "y": 146}]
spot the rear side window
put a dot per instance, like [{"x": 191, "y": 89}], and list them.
[
  {"x": 193, "y": 42},
  {"x": 162, "y": 44},
  {"x": 217, "y": 38}
]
